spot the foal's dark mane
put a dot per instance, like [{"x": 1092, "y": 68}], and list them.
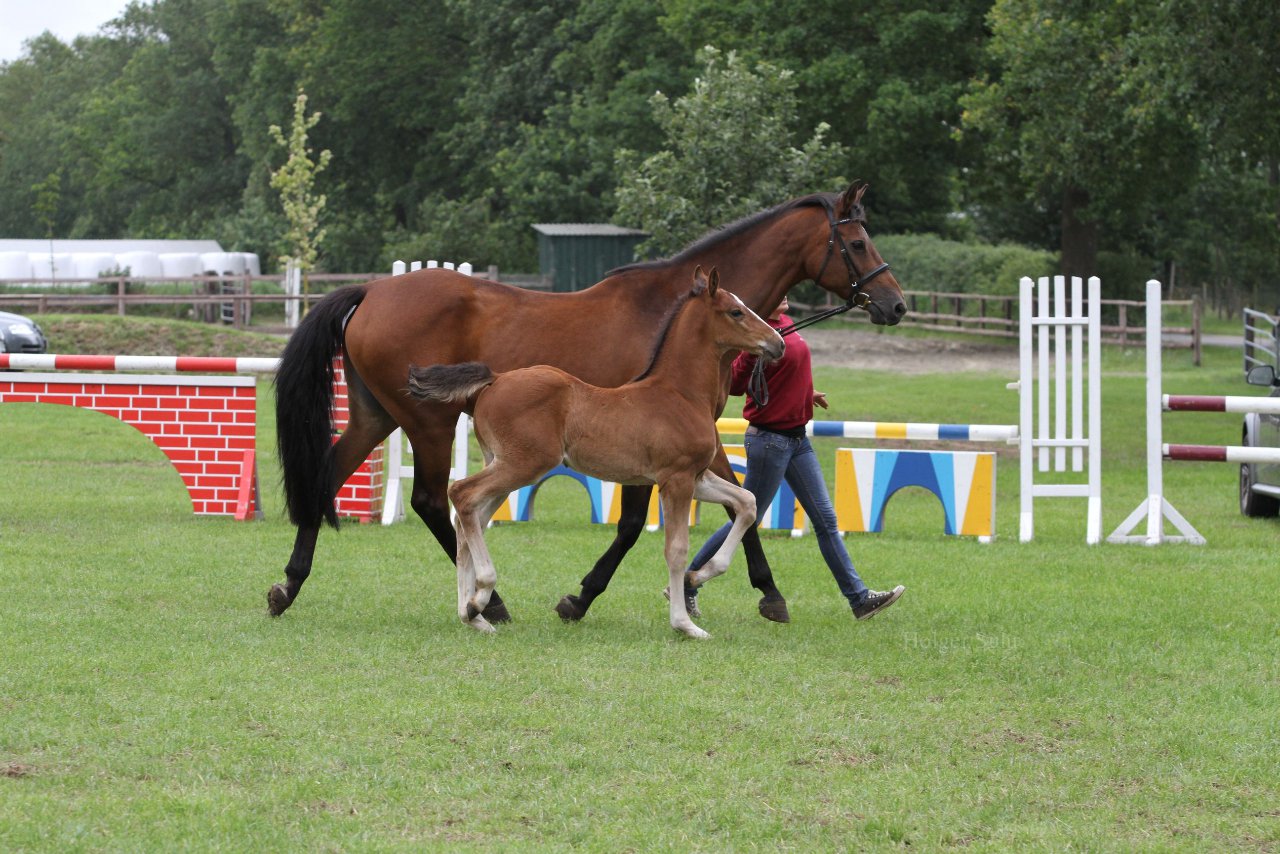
[
  {"x": 725, "y": 232},
  {"x": 660, "y": 339}
]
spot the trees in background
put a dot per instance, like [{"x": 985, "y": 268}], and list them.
[
  {"x": 295, "y": 181},
  {"x": 728, "y": 151},
  {"x": 1145, "y": 133},
  {"x": 1147, "y": 128}
]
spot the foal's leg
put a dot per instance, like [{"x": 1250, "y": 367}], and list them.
[
  {"x": 483, "y": 574},
  {"x": 471, "y": 550},
  {"x": 772, "y": 606},
  {"x": 431, "y": 438},
  {"x": 741, "y": 505},
  {"x": 676, "y": 495},
  {"x": 369, "y": 425},
  {"x": 475, "y": 499},
  {"x": 631, "y": 522}
]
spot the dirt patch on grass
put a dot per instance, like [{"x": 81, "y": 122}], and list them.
[{"x": 863, "y": 347}]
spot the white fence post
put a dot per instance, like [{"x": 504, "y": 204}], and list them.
[
  {"x": 292, "y": 288},
  {"x": 1060, "y": 423},
  {"x": 1155, "y": 508}
]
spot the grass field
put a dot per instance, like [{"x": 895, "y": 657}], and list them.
[{"x": 1043, "y": 696}]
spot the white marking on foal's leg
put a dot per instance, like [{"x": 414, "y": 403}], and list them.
[
  {"x": 676, "y": 513},
  {"x": 712, "y": 487},
  {"x": 483, "y": 572},
  {"x": 471, "y": 554}
]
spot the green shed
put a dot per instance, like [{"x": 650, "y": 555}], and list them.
[{"x": 575, "y": 255}]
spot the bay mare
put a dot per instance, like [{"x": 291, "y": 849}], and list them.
[
  {"x": 659, "y": 429},
  {"x": 600, "y": 335}
]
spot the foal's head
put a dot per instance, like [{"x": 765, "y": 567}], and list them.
[
  {"x": 707, "y": 314},
  {"x": 732, "y": 325}
]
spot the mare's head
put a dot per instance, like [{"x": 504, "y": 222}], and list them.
[
  {"x": 845, "y": 261},
  {"x": 730, "y": 323}
]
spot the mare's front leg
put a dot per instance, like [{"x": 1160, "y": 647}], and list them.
[
  {"x": 676, "y": 496},
  {"x": 741, "y": 505},
  {"x": 772, "y": 606},
  {"x": 631, "y": 521}
]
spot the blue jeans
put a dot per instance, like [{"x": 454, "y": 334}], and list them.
[{"x": 771, "y": 457}]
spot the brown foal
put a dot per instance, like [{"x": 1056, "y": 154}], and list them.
[{"x": 657, "y": 429}]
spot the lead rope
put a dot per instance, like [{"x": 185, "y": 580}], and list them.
[{"x": 757, "y": 387}]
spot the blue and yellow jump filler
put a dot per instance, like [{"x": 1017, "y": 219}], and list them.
[{"x": 964, "y": 481}]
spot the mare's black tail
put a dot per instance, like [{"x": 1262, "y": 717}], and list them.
[{"x": 304, "y": 409}]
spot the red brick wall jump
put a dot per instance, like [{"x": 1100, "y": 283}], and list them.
[
  {"x": 204, "y": 425},
  {"x": 361, "y": 496}
]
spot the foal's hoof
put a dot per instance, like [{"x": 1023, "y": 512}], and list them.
[
  {"x": 481, "y": 625},
  {"x": 496, "y": 612},
  {"x": 278, "y": 600},
  {"x": 774, "y": 608},
  {"x": 693, "y": 632},
  {"x": 570, "y": 609}
]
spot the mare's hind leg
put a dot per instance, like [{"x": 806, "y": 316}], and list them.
[
  {"x": 431, "y": 440},
  {"x": 772, "y": 605},
  {"x": 369, "y": 424},
  {"x": 631, "y": 520}
]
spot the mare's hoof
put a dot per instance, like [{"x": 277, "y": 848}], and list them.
[
  {"x": 278, "y": 600},
  {"x": 570, "y": 609},
  {"x": 775, "y": 609},
  {"x": 496, "y": 612}
]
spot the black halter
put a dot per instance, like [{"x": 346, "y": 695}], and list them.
[{"x": 757, "y": 388}]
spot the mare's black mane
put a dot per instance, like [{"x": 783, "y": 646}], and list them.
[{"x": 733, "y": 229}]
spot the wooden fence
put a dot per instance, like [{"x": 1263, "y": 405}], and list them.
[
  {"x": 232, "y": 299},
  {"x": 996, "y": 316}
]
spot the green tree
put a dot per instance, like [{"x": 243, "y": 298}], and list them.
[
  {"x": 48, "y": 194},
  {"x": 156, "y": 144},
  {"x": 886, "y": 75},
  {"x": 295, "y": 181},
  {"x": 1065, "y": 122},
  {"x": 43, "y": 97},
  {"x": 729, "y": 152},
  {"x": 1217, "y": 61}
]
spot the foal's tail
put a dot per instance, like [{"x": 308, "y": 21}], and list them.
[
  {"x": 450, "y": 383},
  {"x": 304, "y": 408}
]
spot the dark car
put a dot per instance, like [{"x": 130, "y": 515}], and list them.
[
  {"x": 1260, "y": 482},
  {"x": 20, "y": 334}
]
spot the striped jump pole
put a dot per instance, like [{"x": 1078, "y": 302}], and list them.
[
  {"x": 1220, "y": 403},
  {"x": 1155, "y": 508},
  {"x": 169, "y": 364},
  {"x": 909, "y": 431},
  {"x": 1224, "y": 403},
  {"x": 1220, "y": 454}
]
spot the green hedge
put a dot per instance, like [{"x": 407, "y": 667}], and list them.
[{"x": 926, "y": 262}]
